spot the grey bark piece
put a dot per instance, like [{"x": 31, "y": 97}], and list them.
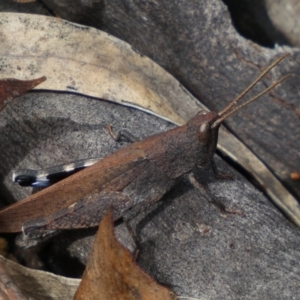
[
  {"x": 222, "y": 256},
  {"x": 42, "y": 130}
]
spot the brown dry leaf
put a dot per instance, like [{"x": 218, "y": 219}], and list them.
[
  {"x": 112, "y": 274},
  {"x": 105, "y": 67},
  {"x": 40, "y": 285},
  {"x": 11, "y": 88}
]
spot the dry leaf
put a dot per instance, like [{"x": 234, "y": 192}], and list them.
[
  {"x": 106, "y": 67},
  {"x": 8, "y": 289},
  {"x": 112, "y": 274},
  {"x": 40, "y": 285},
  {"x": 11, "y": 88},
  {"x": 84, "y": 60}
]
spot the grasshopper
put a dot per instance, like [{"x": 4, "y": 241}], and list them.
[{"x": 129, "y": 180}]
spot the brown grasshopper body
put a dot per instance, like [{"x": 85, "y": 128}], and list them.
[
  {"x": 129, "y": 180},
  {"x": 149, "y": 175}
]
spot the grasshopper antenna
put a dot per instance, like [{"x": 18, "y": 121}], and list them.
[{"x": 225, "y": 113}]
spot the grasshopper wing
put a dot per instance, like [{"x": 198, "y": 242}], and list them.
[{"x": 70, "y": 190}]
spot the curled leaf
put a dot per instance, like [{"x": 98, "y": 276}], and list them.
[
  {"x": 11, "y": 88},
  {"x": 36, "y": 284},
  {"x": 8, "y": 289},
  {"x": 112, "y": 273}
]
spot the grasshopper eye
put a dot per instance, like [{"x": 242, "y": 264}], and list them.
[
  {"x": 203, "y": 127},
  {"x": 204, "y": 132}
]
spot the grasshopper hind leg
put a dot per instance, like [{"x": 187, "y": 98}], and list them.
[
  {"x": 211, "y": 198},
  {"x": 217, "y": 173},
  {"x": 85, "y": 213}
]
